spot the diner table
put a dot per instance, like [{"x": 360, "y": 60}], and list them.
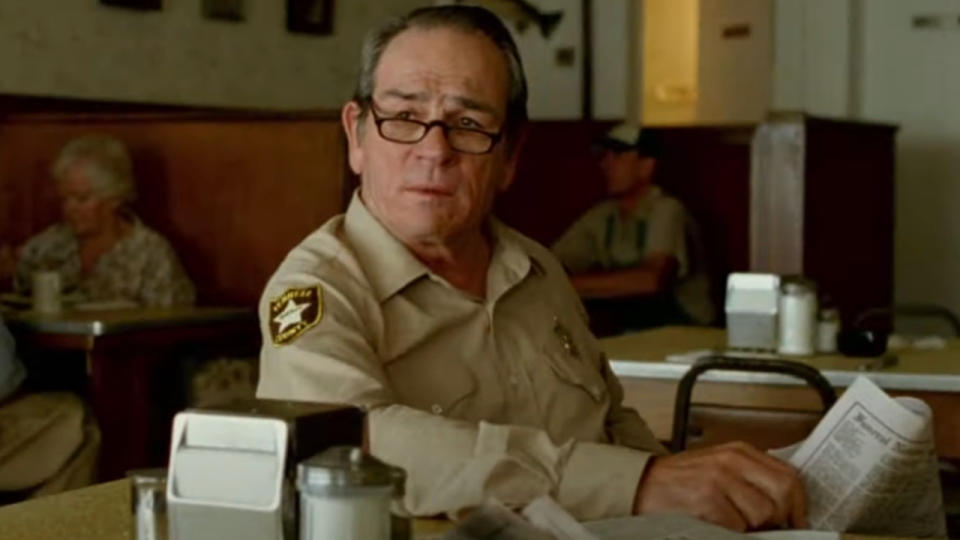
[
  {"x": 650, "y": 363},
  {"x": 131, "y": 360},
  {"x": 103, "y": 512}
]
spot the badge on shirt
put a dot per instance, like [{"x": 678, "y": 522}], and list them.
[{"x": 294, "y": 312}]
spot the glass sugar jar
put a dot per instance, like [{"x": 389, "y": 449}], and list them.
[{"x": 346, "y": 494}]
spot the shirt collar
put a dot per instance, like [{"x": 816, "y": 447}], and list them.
[
  {"x": 390, "y": 266},
  {"x": 388, "y": 263}
]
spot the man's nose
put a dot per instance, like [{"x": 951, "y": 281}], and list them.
[{"x": 434, "y": 144}]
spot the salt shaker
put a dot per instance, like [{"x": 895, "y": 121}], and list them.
[
  {"x": 798, "y": 316},
  {"x": 827, "y": 329},
  {"x": 346, "y": 494}
]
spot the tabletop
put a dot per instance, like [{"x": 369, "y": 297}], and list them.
[
  {"x": 106, "y": 322},
  {"x": 645, "y": 354},
  {"x": 102, "y": 512}
]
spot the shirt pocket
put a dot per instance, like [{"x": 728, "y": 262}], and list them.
[
  {"x": 575, "y": 371},
  {"x": 427, "y": 383}
]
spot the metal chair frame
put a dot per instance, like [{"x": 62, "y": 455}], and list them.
[{"x": 681, "y": 410}]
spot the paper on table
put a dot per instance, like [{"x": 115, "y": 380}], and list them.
[
  {"x": 549, "y": 516},
  {"x": 680, "y": 527},
  {"x": 552, "y": 521}
]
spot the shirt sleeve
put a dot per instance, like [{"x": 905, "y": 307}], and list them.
[
  {"x": 577, "y": 248},
  {"x": 666, "y": 232},
  {"x": 451, "y": 464}
]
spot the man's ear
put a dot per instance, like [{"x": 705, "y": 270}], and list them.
[
  {"x": 350, "y": 117},
  {"x": 510, "y": 166}
]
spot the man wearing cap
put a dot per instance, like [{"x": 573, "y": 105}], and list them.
[
  {"x": 461, "y": 338},
  {"x": 633, "y": 255}
]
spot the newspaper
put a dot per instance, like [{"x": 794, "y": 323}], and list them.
[{"x": 870, "y": 466}]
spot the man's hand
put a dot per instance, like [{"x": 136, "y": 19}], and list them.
[{"x": 733, "y": 485}]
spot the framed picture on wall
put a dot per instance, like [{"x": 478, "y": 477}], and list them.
[
  {"x": 134, "y": 4},
  {"x": 310, "y": 16}
]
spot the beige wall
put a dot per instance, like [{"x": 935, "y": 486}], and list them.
[
  {"x": 912, "y": 77},
  {"x": 556, "y": 91},
  {"x": 813, "y": 59},
  {"x": 79, "y": 48},
  {"x": 734, "y": 73}
]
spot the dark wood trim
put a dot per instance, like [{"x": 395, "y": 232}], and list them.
[{"x": 587, "y": 83}]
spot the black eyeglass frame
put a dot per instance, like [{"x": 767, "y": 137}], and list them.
[{"x": 427, "y": 126}]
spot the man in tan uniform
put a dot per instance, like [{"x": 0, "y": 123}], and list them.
[{"x": 463, "y": 339}]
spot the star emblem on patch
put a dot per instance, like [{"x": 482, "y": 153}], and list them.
[{"x": 294, "y": 312}]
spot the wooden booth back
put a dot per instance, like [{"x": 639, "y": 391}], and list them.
[
  {"x": 233, "y": 192},
  {"x": 705, "y": 167}
]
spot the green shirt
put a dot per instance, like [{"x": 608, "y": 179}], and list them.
[{"x": 605, "y": 238}]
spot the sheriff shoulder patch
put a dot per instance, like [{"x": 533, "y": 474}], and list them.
[{"x": 294, "y": 312}]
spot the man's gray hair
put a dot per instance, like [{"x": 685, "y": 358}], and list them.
[
  {"x": 107, "y": 161},
  {"x": 467, "y": 19}
]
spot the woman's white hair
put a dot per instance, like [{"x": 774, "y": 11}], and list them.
[{"x": 107, "y": 161}]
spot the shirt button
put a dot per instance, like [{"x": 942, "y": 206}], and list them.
[
  {"x": 436, "y": 408},
  {"x": 514, "y": 380},
  {"x": 595, "y": 392}
]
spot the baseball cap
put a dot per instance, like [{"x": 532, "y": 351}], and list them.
[{"x": 627, "y": 136}]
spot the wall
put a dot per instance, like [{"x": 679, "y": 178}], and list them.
[
  {"x": 615, "y": 95},
  {"x": 912, "y": 77},
  {"x": 556, "y": 91},
  {"x": 84, "y": 50},
  {"x": 734, "y": 72},
  {"x": 175, "y": 56},
  {"x": 815, "y": 56}
]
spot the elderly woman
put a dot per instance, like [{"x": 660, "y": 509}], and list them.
[{"x": 101, "y": 249}]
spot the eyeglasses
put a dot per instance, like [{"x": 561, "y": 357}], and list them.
[{"x": 461, "y": 139}]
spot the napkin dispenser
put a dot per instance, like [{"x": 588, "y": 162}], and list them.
[
  {"x": 232, "y": 469},
  {"x": 752, "y": 306}
]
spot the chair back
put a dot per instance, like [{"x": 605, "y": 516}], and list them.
[{"x": 764, "y": 428}]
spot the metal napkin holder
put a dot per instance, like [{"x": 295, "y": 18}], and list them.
[{"x": 232, "y": 469}]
